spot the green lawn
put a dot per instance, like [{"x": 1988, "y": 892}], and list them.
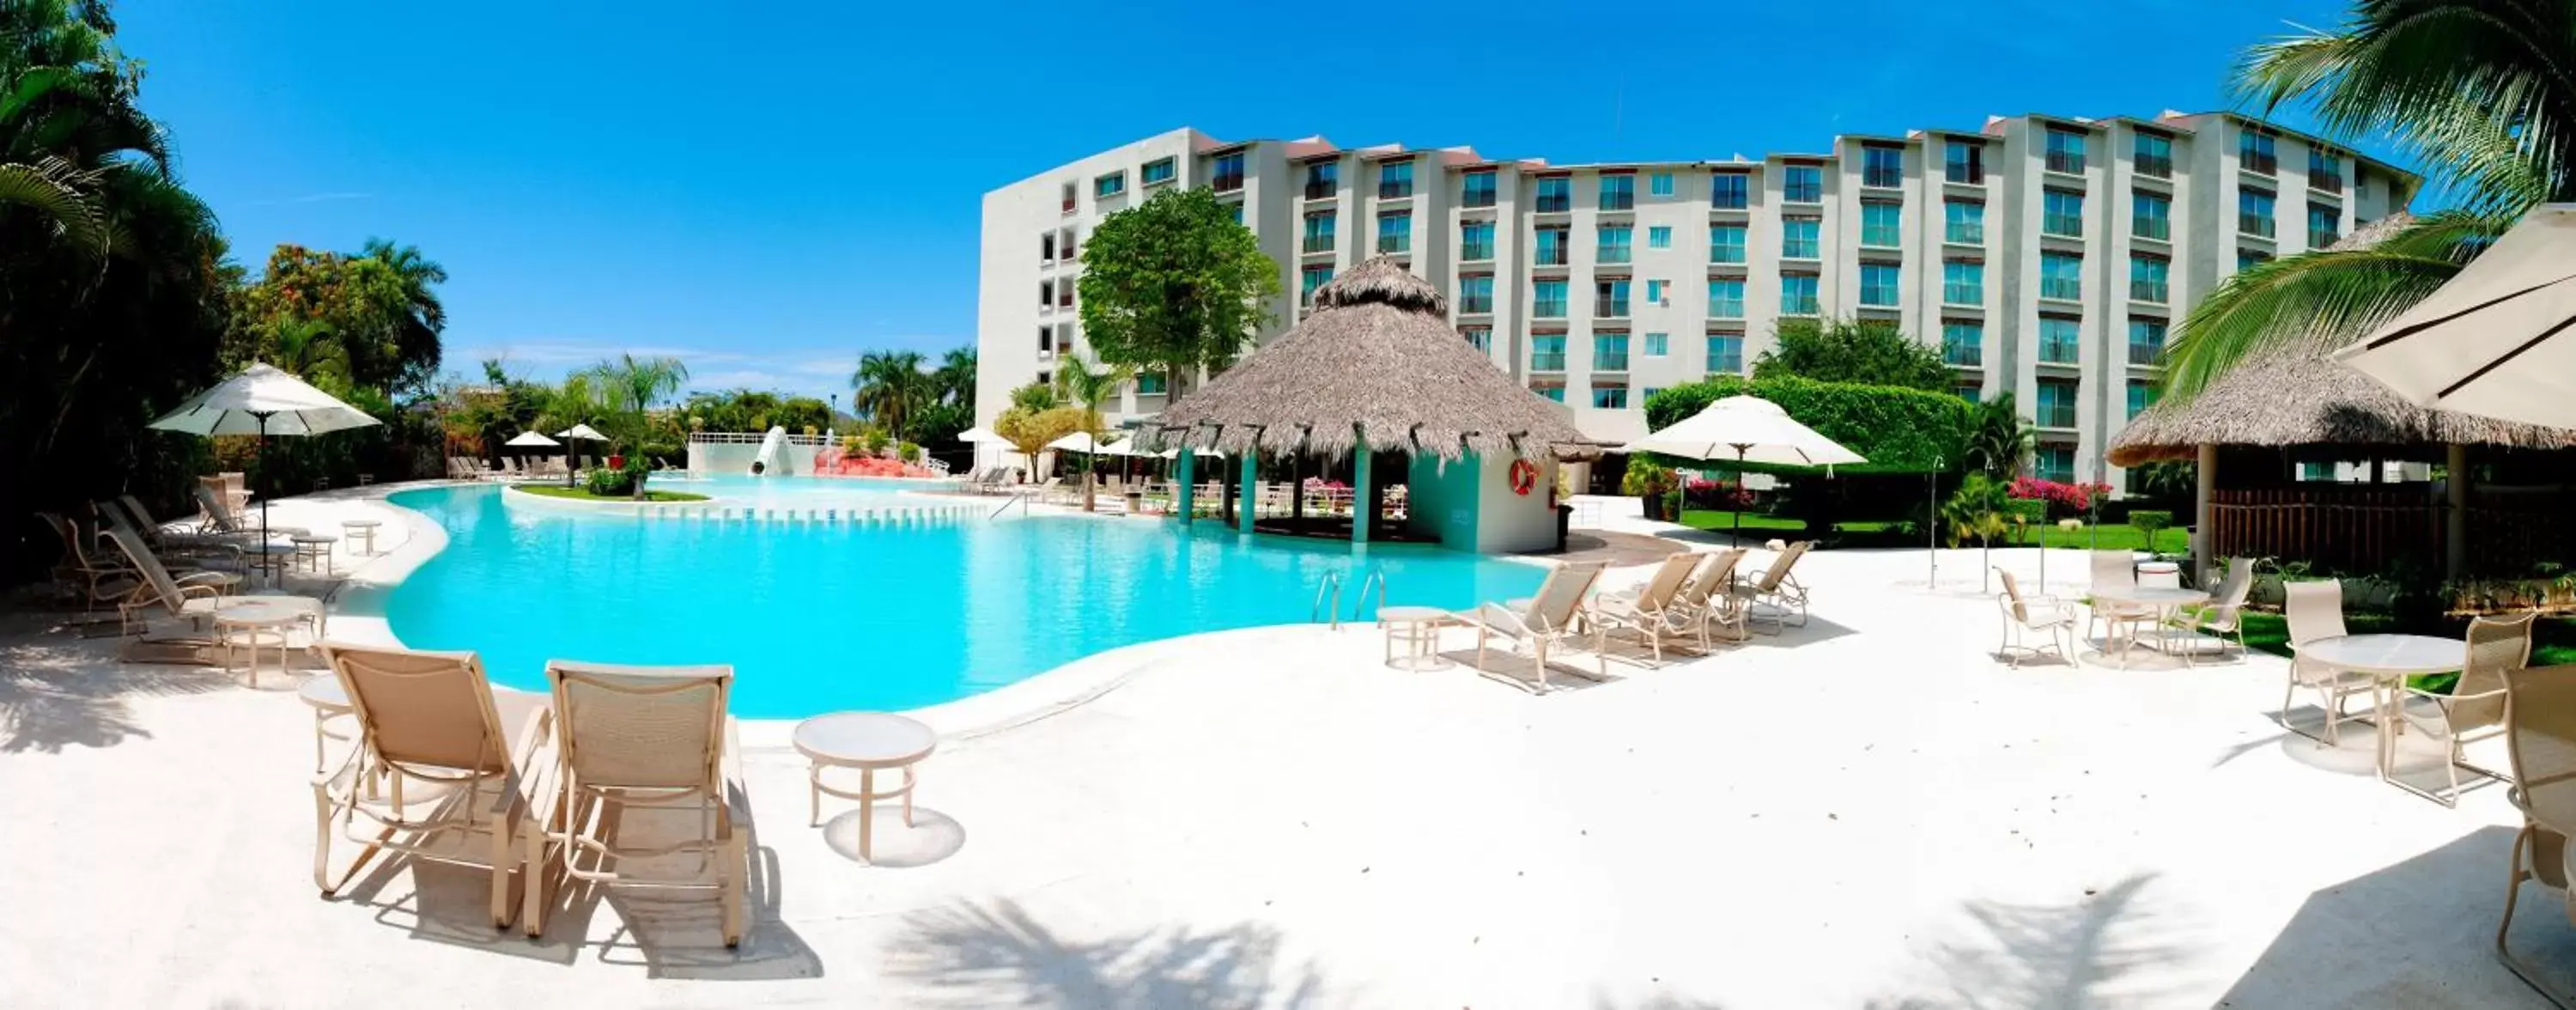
[
  {"x": 2106, "y": 537},
  {"x": 583, "y": 494}
]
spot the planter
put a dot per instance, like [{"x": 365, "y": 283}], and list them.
[{"x": 1652, "y": 507}]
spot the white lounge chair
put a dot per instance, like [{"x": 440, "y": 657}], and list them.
[
  {"x": 2047, "y": 616},
  {"x": 83, "y": 571},
  {"x": 1543, "y": 623},
  {"x": 1652, "y": 611},
  {"x": 1777, "y": 589}
]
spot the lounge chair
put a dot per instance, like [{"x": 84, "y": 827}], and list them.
[
  {"x": 2044, "y": 615},
  {"x": 1709, "y": 598},
  {"x": 190, "y": 551},
  {"x": 1654, "y": 610},
  {"x": 2540, "y": 739},
  {"x": 2225, "y": 613},
  {"x": 1776, "y": 589},
  {"x": 2115, "y": 571},
  {"x": 635, "y": 740},
  {"x": 435, "y": 773},
  {"x": 1544, "y": 622},
  {"x": 159, "y": 594},
  {"x": 2314, "y": 610},
  {"x": 96, "y": 579},
  {"x": 2474, "y": 710}
]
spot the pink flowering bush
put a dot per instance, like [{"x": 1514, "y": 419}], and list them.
[{"x": 2062, "y": 499}]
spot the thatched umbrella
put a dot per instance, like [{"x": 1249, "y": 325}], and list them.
[{"x": 1378, "y": 366}]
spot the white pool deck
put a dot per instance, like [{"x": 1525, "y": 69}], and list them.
[{"x": 1870, "y": 811}]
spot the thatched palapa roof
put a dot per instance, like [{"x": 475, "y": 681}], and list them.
[
  {"x": 2295, "y": 394},
  {"x": 1379, "y": 362}
]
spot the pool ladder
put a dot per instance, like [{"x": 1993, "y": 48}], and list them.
[{"x": 1328, "y": 597}]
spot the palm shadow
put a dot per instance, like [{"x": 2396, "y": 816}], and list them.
[
  {"x": 2026, "y": 957},
  {"x": 971, "y": 954},
  {"x": 55, "y": 696}
]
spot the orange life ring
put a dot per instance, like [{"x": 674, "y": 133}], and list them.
[{"x": 1524, "y": 476}]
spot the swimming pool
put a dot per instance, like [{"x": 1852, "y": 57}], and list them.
[{"x": 823, "y": 617}]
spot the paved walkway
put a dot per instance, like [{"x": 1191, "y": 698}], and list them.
[{"x": 1865, "y": 812}]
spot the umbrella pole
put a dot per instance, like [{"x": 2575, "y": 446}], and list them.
[
  {"x": 1738, "y": 535},
  {"x": 260, "y": 455}
]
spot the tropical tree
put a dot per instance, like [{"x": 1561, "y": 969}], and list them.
[
  {"x": 1035, "y": 396},
  {"x": 2477, "y": 90},
  {"x": 888, "y": 387},
  {"x": 1999, "y": 439},
  {"x": 954, "y": 380},
  {"x": 1088, "y": 387},
  {"x": 628, "y": 387},
  {"x": 424, "y": 316},
  {"x": 1175, "y": 285},
  {"x": 1867, "y": 352},
  {"x": 1029, "y": 431}
]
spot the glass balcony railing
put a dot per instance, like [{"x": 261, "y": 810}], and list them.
[
  {"x": 1547, "y": 361},
  {"x": 1610, "y": 308},
  {"x": 2144, "y": 353},
  {"x": 2321, "y": 239},
  {"x": 1477, "y": 196},
  {"x": 1611, "y": 254},
  {"x": 1225, "y": 183},
  {"x": 2056, "y": 415},
  {"x": 1549, "y": 255},
  {"x": 2157, "y": 228},
  {"x": 1476, "y": 251},
  {"x": 2057, "y": 352},
  {"x": 1557, "y": 204},
  {"x": 2254, "y": 224},
  {"x": 1394, "y": 189},
  {"x": 1317, "y": 244},
  {"x": 2155, "y": 166},
  {"x": 1395, "y": 243},
  {"x": 1798, "y": 305},
  {"x": 1964, "y": 233},
  {"x": 1547, "y": 309},
  {"x": 1963, "y": 294},
  {"x": 1963, "y": 355},
  {"x": 1476, "y": 304},
  {"x": 2260, "y": 163},
  {"x": 2059, "y": 287},
  {"x": 1610, "y": 361},
  {"x": 1319, "y": 190},
  {"x": 2062, "y": 225},
  {"x": 2069, "y": 162},
  {"x": 2147, "y": 291},
  {"x": 2325, "y": 182}
]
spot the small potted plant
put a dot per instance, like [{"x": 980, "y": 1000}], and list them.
[{"x": 1650, "y": 482}]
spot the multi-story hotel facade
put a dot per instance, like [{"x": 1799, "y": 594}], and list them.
[{"x": 2047, "y": 257}]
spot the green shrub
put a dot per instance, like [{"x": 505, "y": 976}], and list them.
[
  {"x": 911, "y": 453},
  {"x": 607, "y": 483},
  {"x": 1646, "y": 476},
  {"x": 2028, "y": 511},
  {"x": 876, "y": 440},
  {"x": 1899, "y": 430},
  {"x": 2148, "y": 521}
]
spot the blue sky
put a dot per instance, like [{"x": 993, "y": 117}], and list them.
[{"x": 767, "y": 193}]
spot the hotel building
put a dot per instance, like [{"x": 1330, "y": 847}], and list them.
[{"x": 2047, "y": 257}]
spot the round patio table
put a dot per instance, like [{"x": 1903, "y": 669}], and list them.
[
  {"x": 330, "y": 700},
  {"x": 1418, "y": 630},
  {"x": 870, "y": 742},
  {"x": 313, "y": 550},
  {"x": 2160, "y": 599},
  {"x": 257, "y": 623},
  {"x": 2389, "y": 660},
  {"x": 361, "y": 534}
]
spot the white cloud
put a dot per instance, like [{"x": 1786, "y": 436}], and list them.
[{"x": 806, "y": 371}]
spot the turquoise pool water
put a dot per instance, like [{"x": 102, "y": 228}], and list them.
[
  {"x": 793, "y": 492},
  {"x": 818, "y": 618}
]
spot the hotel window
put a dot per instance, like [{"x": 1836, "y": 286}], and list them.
[
  {"x": 2056, "y": 403},
  {"x": 1609, "y": 352},
  {"x": 1228, "y": 173},
  {"x": 1655, "y": 292},
  {"x": 1659, "y": 237},
  {"x": 1479, "y": 337},
  {"x": 2062, "y": 214},
  {"x": 2065, "y": 151},
  {"x": 1613, "y": 244},
  {"x": 2146, "y": 341},
  {"x": 1555, "y": 195},
  {"x": 2254, "y": 212},
  {"x": 1323, "y": 179},
  {"x": 1878, "y": 285},
  {"x": 1156, "y": 173},
  {"x": 2057, "y": 462},
  {"x": 1476, "y": 293},
  {"x": 1610, "y": 396},
  {"x": 2152, "y": 153},
  {"x": 2147, "y": 278},
  {"x": 1726, "y": 299},
  {"x": 2150, "y": 215},
  {"x": 2142, "y": 395},
  {"x": 1610, "y": 299},
  {"x": 1659, "y": 184},
  {"x": 1149, "y": 384},
  {"x": 1798, "y": 294},
  {"x": 1803, "y": 184},
  {"x": 1547, "y": 300},
  {"x": 1068, "y": 198},
  {"x": 1395, "y": 231},
  {"x": 2248, "y": 258},
  {"x": 1729, "y": 190},
  {"x": 1964, "y": 162},
  {"x": 2061, "y": 275},
  {"x": 1882, "y": 167},
  {"x": 1798, "y": 237},
  {"x": 1551, "y": 247},
  {"x": 1963, "y": 282},
  {"x": 1046, "y": 340},
  {"x": 1109, "y": 185},
  {"x": 1046, "y": 248},
  {"x": 2254, "y": 152},
  {"x": 2060, "y": 340},
  {"x": 1963, "y": 344},
  {"x": 1236, "y": 209},
  {"x": 1882, "y": 224},
  {"x": 1476, "y": 240},
  {"x": 1476, "y": 189},
  {"x": 1969, "y": 391},
  {"x": 1618, "y": 192},
  {"x": 1963, "y": 221},
  {"x": 1658, "y": 344},
  {"x": 1547, "y": 352},
  {"x": 1552, "y": 390},
  {"x": 1394, "y": 180},
  {"x": 1308, "y": 280},
  {"x": 2324, "y": 220},
  {"x": 1319, "y": 232},
  {"x": 1064, "y": 246},
  {"x": 1726, "y": 353},
  {"x": 2325, "y": 171},
  {"x": 1046, "y": 294},
  {"x": 1726, "y": 243}
]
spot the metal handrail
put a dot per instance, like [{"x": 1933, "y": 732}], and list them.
[
  {"x": 1332, "y": 585},
  {"x": 1377, "y": 577},
  {"x": 1020, "y": 498}
]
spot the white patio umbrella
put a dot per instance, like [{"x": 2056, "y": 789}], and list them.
[
  {"x": 980, "y": 435},
  {"x": 532, "y": 440},
  {"x": 263, "y": 401},
  {"x": 576, "y": 433},
  {"x": 1204, "y": 453},
  {"x": 1746, "y": 429},
  {"x": 2494, "y": 340}
]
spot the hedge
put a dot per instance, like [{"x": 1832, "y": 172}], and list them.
[{"x": 1898, "y": 430}]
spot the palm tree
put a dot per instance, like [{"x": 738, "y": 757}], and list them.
[
  {"x": 888, "y": 386},
  {"x": 955, "y": 377},
  {"x": 1087, "y": 386},
  {"x": 424, "y": 316},
  {"x": 630, "y": 386},
  {"x": 1999, "y": 438},
  {"x": 2479, "y": 91}
]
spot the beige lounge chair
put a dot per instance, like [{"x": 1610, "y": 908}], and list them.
[
  {"x": 637, "y": 740},
  {"x": 2224, "y": 615},
  {"x": 96, "y": 579},
  {"x": 158, "y": 594},
  {"x": 2474, "y": 710},
  {"x": 2116, "y": 571},
  {"x": 1652, "y": 611},
  {"x": 443, "y": 769},
  {"x": 2314, "y": 610},
  {"x": 190, "y": 551},
  {"x": 2041, "y": 614},
  {"x": 2540, "y": 739},
  {"x": 1777, "y": 589},
  {"x": 1544, "y": 622},
  {"x": 1710, "y": 599}
]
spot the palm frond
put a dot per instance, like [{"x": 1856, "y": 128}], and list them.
[{"x": 54, "y": 189}]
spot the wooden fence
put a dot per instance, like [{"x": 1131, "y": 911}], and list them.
[{"x": 2363, "y": 529}]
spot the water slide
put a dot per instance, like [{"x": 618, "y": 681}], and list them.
[{"x": 772, "y": 458}]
